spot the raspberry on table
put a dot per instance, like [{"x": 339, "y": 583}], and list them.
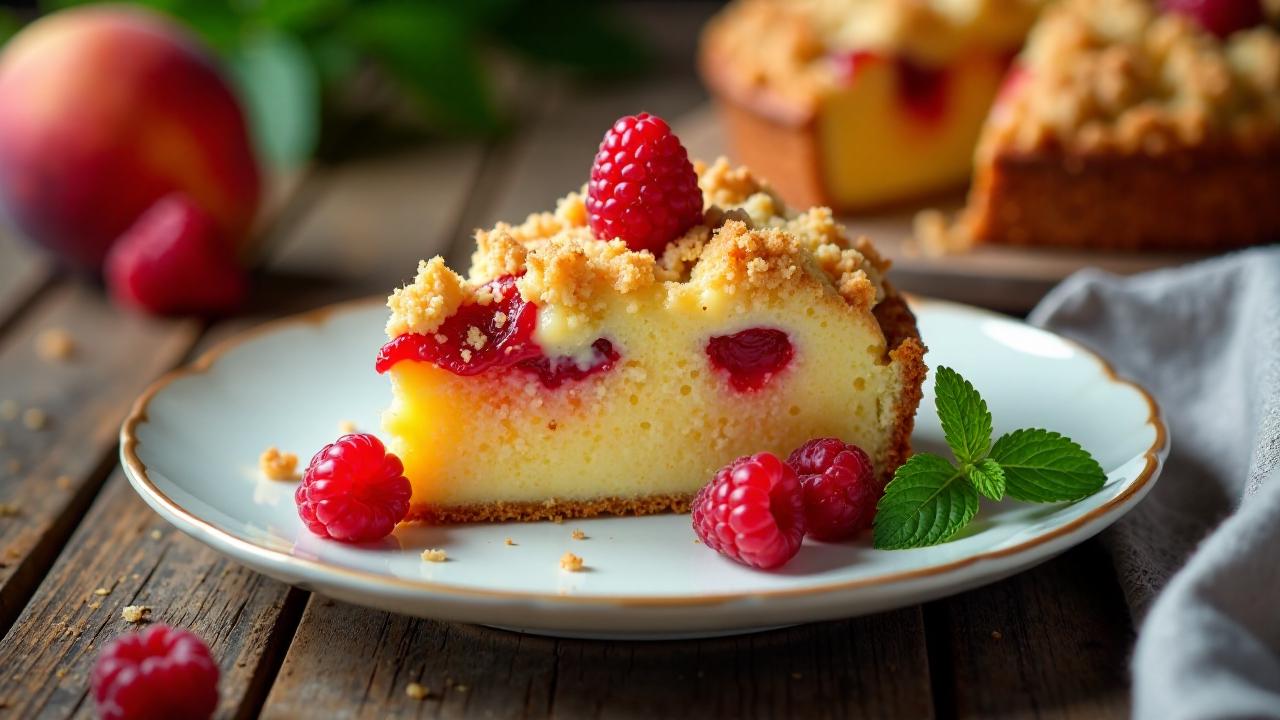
[
  {"x": 643, "y": 188},
  {"x": 752, "y": 512},
  {"x": 353, "y": 490},
  {"x": 840, "y": 487},
  {"x": 174, "y": 260},
  {"x": 161, "y": 672}
]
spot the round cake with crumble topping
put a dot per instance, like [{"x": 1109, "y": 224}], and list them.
[{"x": 567, "y": 375}]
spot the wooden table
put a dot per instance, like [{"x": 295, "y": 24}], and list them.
[{"x": 1051, "y": 642}]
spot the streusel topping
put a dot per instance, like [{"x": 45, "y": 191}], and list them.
[
  {"x": 788, "y": 46},
  {"x": 1120, "y": 76},
  {"x": 748, "y": 237}
]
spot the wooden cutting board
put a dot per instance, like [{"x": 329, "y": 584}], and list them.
[{"x": 1009, "y": 279}]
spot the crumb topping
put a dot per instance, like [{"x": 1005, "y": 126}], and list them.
[
  {"x": 578, "y": 535},
  {"x": 748, "y": 239},
  {"x": 435, "y": 555},
  {"x": 276, "y": 465},
  {"x": 570, "y": 562},
  {"x": 1120, "y": 76},
  {"x": 786, "y": 47}
]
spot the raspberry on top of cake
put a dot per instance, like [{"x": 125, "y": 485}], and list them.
[{"x": 570, "y": 374}]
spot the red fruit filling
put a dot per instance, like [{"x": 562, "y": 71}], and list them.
[
  {"x": 840, "y": 487},
  {"x": 751, "y": 357},
  {"x": 643, "y": 188},
  {"x": 1220, "y": 17},
  {"x": 161, "y": 672},
  {"x": 353, "y": 490},
  {"x": 498, "y": 334},
  {"x": 923, "y": 90},
  {"x": 752, "y": 512}
]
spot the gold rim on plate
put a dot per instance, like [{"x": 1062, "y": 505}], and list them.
[{"x": 137, "y": 472}]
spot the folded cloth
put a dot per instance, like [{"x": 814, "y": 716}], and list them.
[{"x": 1199, "y": 557}]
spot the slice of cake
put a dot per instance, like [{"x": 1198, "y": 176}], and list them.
[
  {"x": 859, "y": 103},
  {"x": 568, "y": 376},
  {"x": 1129, "y": 125}
]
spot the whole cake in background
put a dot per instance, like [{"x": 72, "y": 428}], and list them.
[
  {"x": 856, "y": 104},
  {"x": 609, "y": 356},
  {"x": 1133, "y": 125}
]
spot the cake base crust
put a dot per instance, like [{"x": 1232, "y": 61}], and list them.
[
  {"x": 549, "y": 509},
  {"x": 1177, "y": 202}
]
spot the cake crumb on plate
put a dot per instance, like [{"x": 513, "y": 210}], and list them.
[
  {"x": 578, "y": 535},
  {"x": 570, "y": 562},
  {"x": 276, "y": 465},
  {"x": 55, "y": 344},
  {"x": 435, "y": 555}
]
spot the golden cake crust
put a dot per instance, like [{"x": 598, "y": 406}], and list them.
[{"x": 553, "y": 510}]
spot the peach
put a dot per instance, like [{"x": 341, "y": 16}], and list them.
[{"x": 104, "y": 110}]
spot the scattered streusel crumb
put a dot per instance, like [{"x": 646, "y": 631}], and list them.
[
  {"x": 55, "y": 344},
  {"x": 156, "y": 535},
  {"x": 63, "y": 482},
  {"x": 570, "y": 562},
  {"x": 9, "y": 510},
  {"x": 578, "y": 535},
  {"x": 34, "y": 418},
  {"x": 346, "y": 427},
  {"x": 136, "y": 613},
  {"x": 96, "y": 604},
  {"x": 276, "y": 465},
  {"x": 435, "y": 555},
  {"x": 417, "y": 691},
  {"x": 460, "y": 688},
  {"x": 9, "y": 410},
  {"x": 60, "y": 673},
  {"x": 508, "y": 541},
  {"x": 100, "y": 592},
  {"x": 996, "y": 635}
]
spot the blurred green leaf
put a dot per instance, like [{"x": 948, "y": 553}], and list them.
[
  {"x": 217, "y": 23},
  {"x": 279, "y": 89},
  {"x": 581, "y": 34},
  {"x": 428, "y": 49},
  {"x": 9, "y": 25},
  {"x": 297, "y": 15}
]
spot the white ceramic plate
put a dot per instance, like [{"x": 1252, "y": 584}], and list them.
[{"x": 191, "y": 445}]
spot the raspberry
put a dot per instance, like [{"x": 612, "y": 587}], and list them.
[
  {"x": 174, "y": 261},
  {"x": 1220, "y": 17},
  {"x": 353, "y": 490},
  {"x": 643, "y": 188},
  {"x": 840, "y": 488},
  {"x": 752, "y": 512},
  {"x": 751, "y": 357},
  {"x": 161, "y": 672}
]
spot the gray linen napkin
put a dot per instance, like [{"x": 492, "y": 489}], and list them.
[{"x": 1199, "y": 558}]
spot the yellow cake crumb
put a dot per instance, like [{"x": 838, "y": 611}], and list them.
[
  {"x": 346, "y": 427},
  {"x": 508, "y": 541},
  {"x": 34, "y": 418},
  {"x": 55, "y": 344},
  {"x": 156, "y": 535},
  {"x": 570, "y": 562},
  {"x": 101, "y": 592},
  {"x": 276, "y": 465},
  {"x": 417, "y": 691},
  {"x": 95, "y": 605},
  {"x": 436, "y": 555},
  {"x": 578, "y": 535},
  {"x": 136, "y": 613}
]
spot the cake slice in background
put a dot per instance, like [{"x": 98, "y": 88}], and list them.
[
  {"x": 1132, "y": 125},
  {"x": 857, "y": 104}
]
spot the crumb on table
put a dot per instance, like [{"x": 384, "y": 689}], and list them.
[
  {"x": 417, "y": 691},
  {"x": 570, "y": 562},
  {"x": 136, "y": 613},
  {"x": 435, "y": 555},
  {"x": 55, "y": 344},
  {"x": 9, "y": 510},
  {"x": 64, "y": 482},
  {"x": 34, "y": 418},
  {"x": 276, "y": 465},
  {"x": 101, "y": 592}
]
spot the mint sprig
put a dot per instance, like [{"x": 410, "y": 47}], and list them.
[{"x": 931, "y": 499}]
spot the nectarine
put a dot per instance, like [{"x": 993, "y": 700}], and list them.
[{"x": 105, "y": 109}]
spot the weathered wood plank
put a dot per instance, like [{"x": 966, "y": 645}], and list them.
[
  {"x": 126, "y": 551},
  {"x": 68, "y": 414},
  {"x": 1053, "y": 642},
  {"x": 23, "y": 271}
]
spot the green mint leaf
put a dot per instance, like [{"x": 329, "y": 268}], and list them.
[
  {"x": 966, "y": 421},
  {"x": 987, "y": 477},
  {"x": 927, "y": 502},
  {"x": 1043, "y": 466}
]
